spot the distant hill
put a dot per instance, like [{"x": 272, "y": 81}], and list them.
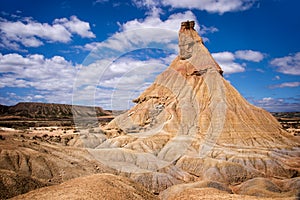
[{"x": 33, "y": 110}]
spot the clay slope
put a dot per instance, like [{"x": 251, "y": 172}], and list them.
[
  {"x": 99, "y": 186},
  {"x": 191, "y": 124},
  {"x": 108, "y": 186},
  {"x": 27, "y": 164}
]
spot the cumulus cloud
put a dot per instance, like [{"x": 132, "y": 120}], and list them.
[
  {"x": 286, "y": 84},
  {"x": 278, "y": 104},
  {"x": 140, "y": 33},
  {"x": 227, "y": 60},
  {"x": 227, "y": 63},
  {"x": 75, "y": 25},
  {"x": 116, "y": 83},
  {"x": 172, "y": 23},
  {"x": 288, "y": 64},
  {"x": 149, "y": 32},
  {"x": 211, "y": 6},
  {"x": 48, "y": 76},
  {"x": 108, "y": 83},
  {"x": 30, "y": 33},
  {"x": 152, "y": 6},
  {"x": 249, "y": 55}
]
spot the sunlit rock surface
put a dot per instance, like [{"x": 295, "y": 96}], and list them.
[{"x": 191, "y": 124}]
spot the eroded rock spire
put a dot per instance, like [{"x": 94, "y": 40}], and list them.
[
  {"x": 192, "y": 122},
  {"x": 192, "y": 49}
]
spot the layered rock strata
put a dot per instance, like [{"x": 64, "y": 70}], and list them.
[{"x": 191, "y": 124}]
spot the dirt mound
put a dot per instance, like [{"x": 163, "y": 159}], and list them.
[
  {"x": 12, "y": 184},
  {"x": 263, "y": 187},
  {"x": 99, "y": 186},
  {"x": 27, "y": 164},
  {"x": 258, "y": 188},
  {"x": 212, "y": 194},
  {"x": 171, "y": 192}
]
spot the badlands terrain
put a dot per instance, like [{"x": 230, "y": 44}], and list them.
[{"x": 191, "y": 135}]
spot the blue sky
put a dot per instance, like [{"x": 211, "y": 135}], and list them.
[{"x": 105, "y": 53}]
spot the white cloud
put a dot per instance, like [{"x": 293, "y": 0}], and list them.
[
  {"x": 103, "y": 83},
  {"x": 172, "y": 23},
  {"x": 288, "y": 64},
  {"x": 74, "y": 25},
  {"x": 118, "y": 82},
  {"x": 278, "y": 104},
  {"x": 100, "y": 1},
  {"x": 226, "y": 61},
  {"x": 212, "y": 6},
  {"x": 149, "y": 32},
  {"x": 152, "y": 5},
  {"x": 140, "y": 33},
  {"x": 249, "y": 55},
  {"x": 286, "y": 84},
  {"x": 30, "y": 33},
  {"x": 132, "y": 72},
  {"x": 35, "y": 71}
]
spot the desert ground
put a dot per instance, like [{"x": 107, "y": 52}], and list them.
[{"x": 46, "y": 162}]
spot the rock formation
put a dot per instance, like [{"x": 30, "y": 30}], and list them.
[
  {"x": 189, "y": 134},
  {"x": 191, "y": 124}
]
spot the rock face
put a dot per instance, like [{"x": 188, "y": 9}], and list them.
[{"x": 191, "y": 124}]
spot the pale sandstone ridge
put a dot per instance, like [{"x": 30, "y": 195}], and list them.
[{"x": 191, "y": 124}]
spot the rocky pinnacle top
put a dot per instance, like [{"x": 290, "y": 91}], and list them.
[
  {"x": 192, "y": 49},
  {"x": 187, "y": 25}
]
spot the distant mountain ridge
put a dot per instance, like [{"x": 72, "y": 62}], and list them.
[{"x": 34, "y": 110}]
